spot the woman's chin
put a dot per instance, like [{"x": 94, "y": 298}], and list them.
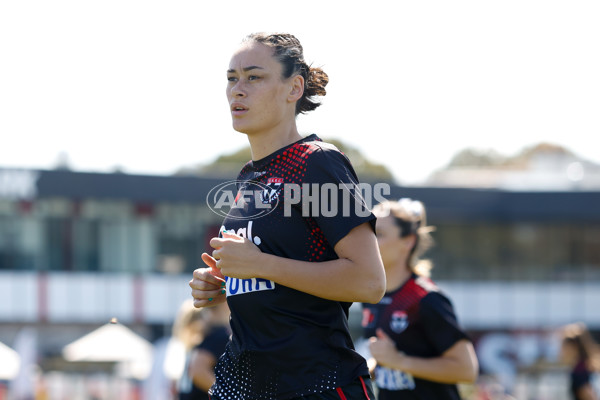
[{"x": 241, "y": 128}]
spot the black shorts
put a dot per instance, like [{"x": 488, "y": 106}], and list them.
[{"x": 360, "y": 389}]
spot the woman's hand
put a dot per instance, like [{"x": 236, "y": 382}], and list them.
[
  {"x": 208, "y": 284},
  {"x": 232, "y": 257},
  {"x": 383, "y": 349},
  {"x": 235, "y": 256},
  {"x": 372, "y": 364}
]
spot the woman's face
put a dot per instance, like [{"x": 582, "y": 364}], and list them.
[
  {"x": 258, "y": 96},
  {"x": 568, "y": 353},
  {"x": 392, "y": 247}
]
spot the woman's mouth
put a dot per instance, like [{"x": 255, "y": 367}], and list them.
[{"x": 238, "y": 109}]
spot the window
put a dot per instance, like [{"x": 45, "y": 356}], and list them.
[{"x": 522, "y": 251}]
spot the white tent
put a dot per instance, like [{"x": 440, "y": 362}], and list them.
[
  {"x": 113, "y": 343},
  {"x": 9, "y": 366}
]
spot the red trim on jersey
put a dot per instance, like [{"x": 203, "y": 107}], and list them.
[
  {"x": 362, "y": 381},
  {"x": 341, "y": 394}
]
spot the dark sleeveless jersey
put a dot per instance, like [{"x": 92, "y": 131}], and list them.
[
  {"x": 287, "y": 343},
  {"x": 581, "y": 375},
  {"x": 422, "y": 323}
]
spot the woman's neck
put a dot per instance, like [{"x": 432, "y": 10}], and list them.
[
  {"x": 264, "y": 143},
  {"x": 396, "y": 276}
]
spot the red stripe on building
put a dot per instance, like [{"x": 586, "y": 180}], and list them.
[
  {"x": 42, "y": 296},
  {"x": 138, "y": 299}
]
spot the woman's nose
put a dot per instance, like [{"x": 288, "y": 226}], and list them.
[{"x": 238, "y": 90}]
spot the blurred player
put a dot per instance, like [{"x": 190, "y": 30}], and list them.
[
  {"x": 199, "y": 373},
  {"x": 189, "y": 329},
  {"x": 290, "y": 278},
  {"x": 419, "y": 351},
  {"x": 581, "y": 353}
]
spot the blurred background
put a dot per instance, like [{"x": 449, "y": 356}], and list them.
[
  {"x": 114, "y": 126},
  {"x": 518, "y": 251}
]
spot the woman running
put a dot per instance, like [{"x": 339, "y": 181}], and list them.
[
  {"x": 288, "y": 266},
  {"x": 419, "y": 350}
]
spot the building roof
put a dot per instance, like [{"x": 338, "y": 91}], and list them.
[{"x": 443, "y": 203}]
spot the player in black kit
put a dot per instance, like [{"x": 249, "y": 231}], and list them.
[
  {"x": 581, "y": 353},
  {"x": 419, "y": 350},
  {"x": 297, "y": 247}
]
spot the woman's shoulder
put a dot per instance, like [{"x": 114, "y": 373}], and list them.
[
  {"x": 433, "y": 296},
  {"x": 315, "y": 144},
  {"x": 320, "y": 153}
]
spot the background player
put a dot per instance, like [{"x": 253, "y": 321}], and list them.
[
  {"x": 582, "y": 354},
  {"x": 189, "y": 328},
  {"x": 290, "y": 279},
  {"x": 418, "y": 349},
  {"x": 199, "y": 372}
]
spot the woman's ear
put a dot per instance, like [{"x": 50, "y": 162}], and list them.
[{"x": 296, "y": 88}]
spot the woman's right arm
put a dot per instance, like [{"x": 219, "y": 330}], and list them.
[
  {"x": 202, "y": 367},
  {"x": 356, "y": 276},
  {"x": 457, "y": 364}
]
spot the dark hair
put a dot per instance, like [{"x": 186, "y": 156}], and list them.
[
  {"x": 406, "y": 227},
  {"x": 288, "y": 51}
]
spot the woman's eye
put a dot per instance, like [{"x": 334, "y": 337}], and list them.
[
  {"x": 231, "y": 78},
  {"x": 253, "y": 77}
]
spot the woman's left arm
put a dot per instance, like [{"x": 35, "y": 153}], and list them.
[
  {"x": 202, "y": 366},
  {"x": 457, "y": 364},
  {"x": 356, "y": 276},
  {"x": 586, "y": 392}
]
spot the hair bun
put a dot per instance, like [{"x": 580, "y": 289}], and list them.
[{"x": 316, "y": 82}]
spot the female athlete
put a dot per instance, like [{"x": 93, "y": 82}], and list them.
[
  {"x": 418, "y": 349},
  {"x": 297, "y": 247}
]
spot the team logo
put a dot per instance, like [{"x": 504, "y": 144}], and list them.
[
  {"x": 272, "y": 190},
  {"x": 399, "y": 321}
]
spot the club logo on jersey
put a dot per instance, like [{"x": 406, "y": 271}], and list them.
[
  {"x": 399, "y": 321},
  {"x": 272, "y": 191}
]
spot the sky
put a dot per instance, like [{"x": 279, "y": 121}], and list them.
[{"x": 139, "y": 85}]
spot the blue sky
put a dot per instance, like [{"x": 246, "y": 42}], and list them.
[{"x": 140, "y": 84}]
